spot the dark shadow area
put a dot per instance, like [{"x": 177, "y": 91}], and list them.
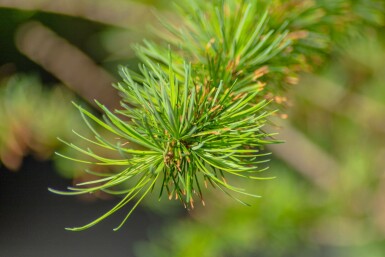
[{"x": 32, "y": 219}]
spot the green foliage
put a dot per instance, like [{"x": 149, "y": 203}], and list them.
[
  {"x": 195, "y": 112},
  {"x": 342, "y": 114},
  {"x": 194, "y": 121},
  {"x": 233, "y": 39},
  {"x": 189, "y": 134}
]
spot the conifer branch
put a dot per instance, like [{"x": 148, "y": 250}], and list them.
[{"x": 197, "y": 108}]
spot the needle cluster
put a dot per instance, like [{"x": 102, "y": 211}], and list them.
[{"x": 195, "y": 112}]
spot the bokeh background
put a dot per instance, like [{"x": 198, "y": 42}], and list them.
[{"x": 328, "y": 198}]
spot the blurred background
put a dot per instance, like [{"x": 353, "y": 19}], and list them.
[{"x": 329, "y": 195}]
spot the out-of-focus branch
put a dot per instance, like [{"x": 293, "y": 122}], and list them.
[
  {"x": 118, "y": 12},
  {"x": 67, "y": 63},
  {"x": 306, "y": 157},
  {"x": 332, "y": 97}
]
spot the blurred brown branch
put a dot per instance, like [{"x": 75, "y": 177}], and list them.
[
  {"x": 118, "y": 12},
  {"x": 306, "y": 157},
  {"x": 334, "y": 98},
  {"x": 67, "y": 63}
]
